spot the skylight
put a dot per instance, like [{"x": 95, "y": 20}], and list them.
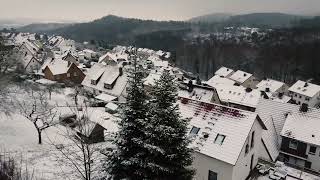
[
  {"x": 194, "y": 130},
  {"x": 219, "y": 139}
]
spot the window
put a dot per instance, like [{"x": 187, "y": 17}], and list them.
[
  {"x": 57, "y": 77},
  {"x": 219, "y": 139},
  {"x": 75, "y": 74},
  {"x": 247, "y": 149},
  {"x": 93, "y": 82},
  {"x": 312, "y": 150},
  {"x": 194, "y": 130},
  {"x": 307, "y": 165},
  {"x": 252, "y": 140},
  {"x": 300, "y": 97},
  {"x": 293, "y": 144},
  {"x": 212, "y": 175},
  {"x": 68, "y": 74}
]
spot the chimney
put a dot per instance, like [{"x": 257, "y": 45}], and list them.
[
  {"x": 304, "y": 107},
  {"x": 244, "y": 74},
  {"x": 190, "y": 86},
  {"x": 267, "y": 89},
  {"x": 306, "y": 84},
  {"x": 248, "y": 90},
  {"x": 120, "y": 71},
  {"x": 280, "y": 95}
]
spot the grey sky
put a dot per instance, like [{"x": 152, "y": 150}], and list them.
[{"x": 85, "y": 10}]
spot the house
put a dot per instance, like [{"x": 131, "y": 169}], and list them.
[
  {"x": 97, "y": 126},
  {"x": 63, "y": 71},
  {"x": 237, "y": 96},
  {"x": 30, "y": 64},
  {"x": 69, "y": 57},
  {"x": 224, "y": 72},
  {"x": 273, "y": 114},
  {"x": 272, "y": 86},
  {"x": 89, "y": 54},
  {"x": 243, "y": 78},
  {"x": 225, "y": 140},
  {"x": 300, "y": 145},
  {"x": 114, "y": 59},
  {"x": 29, "y": 48},
  {"x": 305, "y": 92},
  {"x": 217, "y": 80},
  {"x": 196, "y": 92},
  {"x": 106, "y": 79}
]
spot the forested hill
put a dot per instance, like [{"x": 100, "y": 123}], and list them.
[
  {"x": 116, "y": 30},
  {"x": 269, "y": 20}
]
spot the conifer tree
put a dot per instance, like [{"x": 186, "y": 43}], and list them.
[
  {"x": 128, "y": 161},
  {"x": 171, "y": 157}
]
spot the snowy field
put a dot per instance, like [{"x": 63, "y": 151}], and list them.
[{"x": 18, "y": 138}]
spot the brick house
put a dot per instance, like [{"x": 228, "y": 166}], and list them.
[{"x": 63, "y": 71}]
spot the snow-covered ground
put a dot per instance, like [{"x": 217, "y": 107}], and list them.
[{"x": 18, "y": 138}]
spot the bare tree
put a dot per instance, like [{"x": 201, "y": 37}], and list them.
[
  {"x": 39, "y": 112},
  {"x": 80, "y": 153}
]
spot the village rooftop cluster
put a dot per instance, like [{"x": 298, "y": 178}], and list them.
[{"x": 236, "y": 120}]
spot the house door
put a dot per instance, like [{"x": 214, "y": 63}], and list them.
[{"x": 251, "y": 163}]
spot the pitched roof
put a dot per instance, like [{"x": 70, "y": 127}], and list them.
[
  {"x": 238, "y": 95},
  {"x": 106, "y": 97},
  {"x": 217, "y": 80},
  {"x": 223, "y": 71},
  {"x": 302, "y": 128},
  {"x": 198, "y": 93},
  {"x": 58, "y": 66},
  {"x": 213, "y": 119},
  {"x": 273, "y": 114},
  {"x": 306, "y": 89},
  {"x": 240, "y": 76},
  {"x": 108, "y": 76},
  {"x": 273, "y": 85}
]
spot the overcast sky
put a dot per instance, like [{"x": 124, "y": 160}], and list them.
[{"x": 86, "y": 10}]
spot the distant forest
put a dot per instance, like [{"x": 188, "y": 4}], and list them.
[{"x": 288, "y": 53}]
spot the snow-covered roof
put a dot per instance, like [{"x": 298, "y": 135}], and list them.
[
  {"x": 304, "y": 88},
  {"x": 160, "y": 53},
  {"x": 89, "y": 51},
  {"x": 109, "y": 71},
  {"x": 302, "y": 128},
  {"x": 214, "y": 120},
  {"x": 273, "y": 114},
  {"x": 27, "y": 59},
  {"x": 223, "y": 71},
  {"x": 238, "y": 95},
  {"x": 161, "y": 64},
  {"x": 112, "y": 106},
  {"x": 114, "y": 56},
  {"x": 198, "y": 93},
  {"x": 106, "y": 97},
  {"x": 152, "y": 77},
  {"x": 273, "y": 85},
  {"x": 240, "y": 76},
  {"x": 217, "y": 80},
  {"x": 59, "y": 66}
]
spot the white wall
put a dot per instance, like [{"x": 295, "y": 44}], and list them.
[
  {"x": 314, "y": 159},
  {"x": 202, "y": 164},
  {"x": 242, "y": 167}
]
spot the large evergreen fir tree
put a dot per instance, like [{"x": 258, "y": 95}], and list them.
[
  {"x": 128, "y": 161},
  {"x": 170, "y": 156}
]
